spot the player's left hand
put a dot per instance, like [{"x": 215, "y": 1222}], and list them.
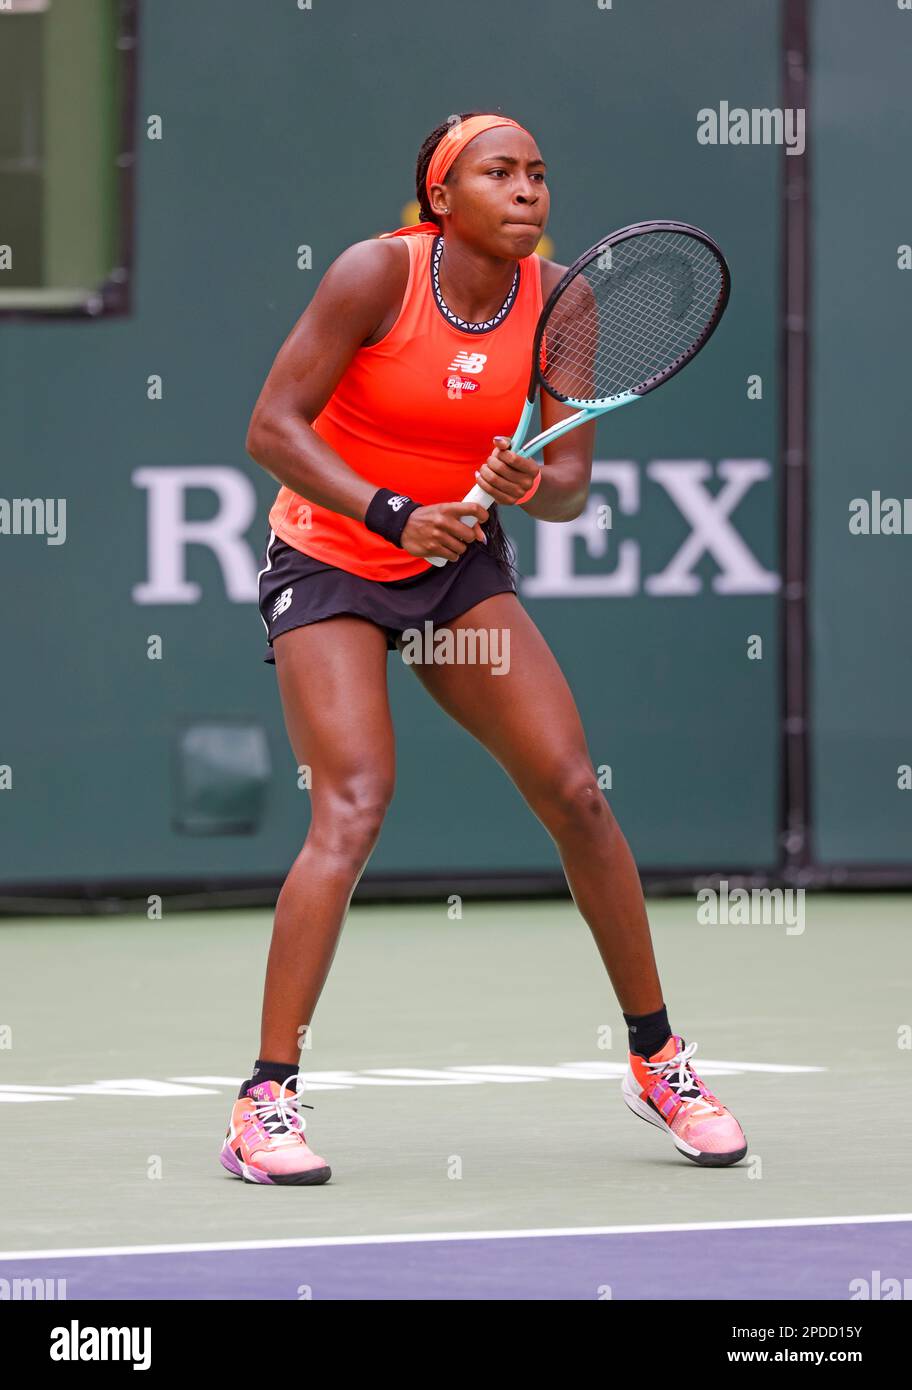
[{"x": 505, "y": 475}]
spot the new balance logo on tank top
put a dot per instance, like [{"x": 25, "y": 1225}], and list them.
[{"x": 417, "y": 412}]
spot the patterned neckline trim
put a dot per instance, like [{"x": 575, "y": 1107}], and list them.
[{"x": 464, "y": 325}]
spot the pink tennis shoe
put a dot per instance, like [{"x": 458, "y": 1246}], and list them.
[
  {"x": 265, "y": 1141},
  {"x": 666, "y": 1091}
]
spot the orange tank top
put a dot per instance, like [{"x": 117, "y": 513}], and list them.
[{"x": 417, "y": 412}]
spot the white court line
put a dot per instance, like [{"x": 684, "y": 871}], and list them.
[
  {"x": 477, "y": 1074},
  {"x": 424, "y": 1236}
]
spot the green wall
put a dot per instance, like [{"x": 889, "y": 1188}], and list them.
[
  {"x": 861, "y": 426},
  {"x": 284, "y": 127}
]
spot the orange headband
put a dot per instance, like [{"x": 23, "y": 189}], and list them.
[
  {"x": 448, "y": 150},
  {"x": 451, "y": 146}
]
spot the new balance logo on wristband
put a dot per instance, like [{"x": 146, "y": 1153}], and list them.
[{"x": 388, "y": 513}]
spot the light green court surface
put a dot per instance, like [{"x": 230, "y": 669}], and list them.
[{"x": 521, "y": 985}]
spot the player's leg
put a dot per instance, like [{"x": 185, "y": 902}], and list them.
[
  {"x": 332, "y": 679},
  {"x": 527, "y": 718}
]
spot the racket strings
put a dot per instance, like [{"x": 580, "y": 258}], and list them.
[{"x": 629, "y": 314}]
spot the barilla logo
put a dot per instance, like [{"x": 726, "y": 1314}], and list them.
[{"x": 457, "y": 385}]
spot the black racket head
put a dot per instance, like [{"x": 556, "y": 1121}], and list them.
[{"x": 630, "y": 312}]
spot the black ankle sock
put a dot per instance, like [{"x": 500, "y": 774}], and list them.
[
  {"x": 648, "y": 1033},
  {"x": 268, "y": 1071}
]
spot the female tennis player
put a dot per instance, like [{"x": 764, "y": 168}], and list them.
[{"x": 387, "y": 402}]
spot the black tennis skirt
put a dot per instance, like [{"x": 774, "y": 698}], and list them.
[{"x": 295, "y": 590}]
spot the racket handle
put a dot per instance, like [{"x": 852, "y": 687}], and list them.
[{"x": 477, "y": 494}]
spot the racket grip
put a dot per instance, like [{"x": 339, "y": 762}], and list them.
[{"x": 477, "y": 494}]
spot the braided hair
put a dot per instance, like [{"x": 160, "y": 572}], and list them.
[{"x": 499, "y": 543}]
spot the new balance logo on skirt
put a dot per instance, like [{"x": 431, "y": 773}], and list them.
[{"x": 282, "y": 603}]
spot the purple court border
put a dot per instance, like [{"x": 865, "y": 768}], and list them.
[{"x": 770, "y": 1262}]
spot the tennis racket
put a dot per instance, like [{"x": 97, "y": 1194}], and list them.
[{"x": 625, "y": 317}]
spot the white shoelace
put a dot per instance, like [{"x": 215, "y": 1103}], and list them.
[
  {"x": 685, "y": 1083},
  {"x": 282, "y": 1113}
]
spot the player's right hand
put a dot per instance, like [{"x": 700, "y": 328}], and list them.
[{"x": 438, "y": 530}]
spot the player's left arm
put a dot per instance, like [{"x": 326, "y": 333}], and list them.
[{"x": 567, "y": 472}]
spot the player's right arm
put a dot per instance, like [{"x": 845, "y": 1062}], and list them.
[{"x": 352, "y": 301}]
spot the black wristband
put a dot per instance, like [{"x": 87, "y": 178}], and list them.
[{"x": 387, "y": 514}]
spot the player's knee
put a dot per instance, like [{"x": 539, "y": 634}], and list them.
[
  {"x": 353, "y": 819},
  {"x": 576, "y": 801}
]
